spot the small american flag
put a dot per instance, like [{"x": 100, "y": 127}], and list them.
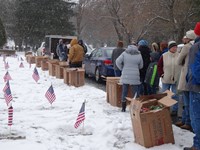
[
  {"x": 35, "y": 75},
  {"x": 50, "y": 95},
  {"x": 7, "y": 93},
  {"x": 7, "y": 77},
  {"x": 81, "y": 116},
  {"x": 6, "y": 65},
  {"x": 21, "y": 65},
  {"x": 10, "y": 116}
]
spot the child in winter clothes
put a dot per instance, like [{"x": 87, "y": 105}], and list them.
[{"x": 151, "y": 77}]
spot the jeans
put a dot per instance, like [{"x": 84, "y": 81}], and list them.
[
  {"x": 117, "y": 73},
  {"x": 151, "y": 89},
  {"x": 165, "y": 87},
  {"x": 195, "y": 117},
  {"x": 186, "y": 110},
  {"x": 135, "y": 89}
]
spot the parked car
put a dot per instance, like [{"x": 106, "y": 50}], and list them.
[
  {"x": 41, "y": 49},
  {"x": 98, "y": 63}
]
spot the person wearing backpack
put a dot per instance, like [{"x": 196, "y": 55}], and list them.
[
  {"x": 151, "y": 77},
  {"x": 193, "y": 84}
]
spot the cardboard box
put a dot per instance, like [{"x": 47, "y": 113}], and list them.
[
  {"x": 153, "y": 127},
  {"x": 38, "y": 60},
  {"x": 44, "y": 65},
  {"x": 59, "y": 71},
  {"x": 63, "y": 63},
  {"x": 31, "y": 59},
  {"x": 52, "y": 66},
  {"x": 66, "y": 75},
  {"x": 76, "y": 77},
  {"x": 114, "y": 91},
  {"x": 28, "y": 53}
]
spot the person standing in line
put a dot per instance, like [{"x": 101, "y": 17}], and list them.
[
  {"x": 182, "y": 60},
  {"x": 129, "y": 62},
  {"x": 115, "y": 54},
  {"x": 145, "y": 52},
  {"x": 151, "y": 77},
  {"x": 169, "y": 71},
  {"x": 193, "y": 84},
  {"x": 60, "y": 51},
  {"x": 80, "y": 42},
  {"x": 76, "y": 54}
]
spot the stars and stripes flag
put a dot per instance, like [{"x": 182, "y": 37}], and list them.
[
  {"x": 81, "y": 116},
  {"x": 6, "y": 65},
  {"x": 21, "y": 65},
  {"x": 7, "y": 93},
  {"x": 7, "y": 77},
  {"x": 10, "y": 116},
  {"x": 35, "y": 75},
  {"x": 50, "y": 95}
]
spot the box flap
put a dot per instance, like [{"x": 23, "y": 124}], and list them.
[
  {"x": 169, "y": 93},
  {"x": 167, "y": 101}
]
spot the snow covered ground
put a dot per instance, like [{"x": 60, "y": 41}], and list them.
[{"x": 39, "y": 126}]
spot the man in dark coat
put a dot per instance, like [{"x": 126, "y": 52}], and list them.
[
  {"x": 116, "y": 52},
  {"x": 145, "y": 52}
]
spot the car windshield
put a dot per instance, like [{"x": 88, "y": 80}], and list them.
[{"x": 108, "y": 52}]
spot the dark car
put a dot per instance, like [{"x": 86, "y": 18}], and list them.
[{"x": 98, "y": 64}]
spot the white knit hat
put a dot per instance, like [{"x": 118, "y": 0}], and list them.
[{"x": 190, "y": 34}]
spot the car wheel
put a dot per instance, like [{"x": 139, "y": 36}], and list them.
[{"x": 97, "y": 75}]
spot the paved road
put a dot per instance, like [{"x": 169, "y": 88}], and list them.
[{"x": 93, "y": 83}]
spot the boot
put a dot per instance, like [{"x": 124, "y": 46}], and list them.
[
  {"x": 189, "y": 148},
  {"x": 123, "y": 106},
  {"x": 186, "y": 127},
  {"x": 179, "y": 123}
]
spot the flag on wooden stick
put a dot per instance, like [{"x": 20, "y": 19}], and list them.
[
  {"x": 21, "y": 65},
  {"x": 7, "y": 93},
  {"x": 50, "y": 95},
  {"x": 81, "y": 116},
  {"x": 35, "y": 75},
  {"x": 6, "y": 65},
  {"x": 7, "y": 77},
  {"x": 10, "y": 116}
]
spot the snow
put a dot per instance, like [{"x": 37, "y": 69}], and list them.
[{"x": 38, "y": 125}]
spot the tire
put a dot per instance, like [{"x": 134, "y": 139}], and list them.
[{"x": 97, "y": 75}]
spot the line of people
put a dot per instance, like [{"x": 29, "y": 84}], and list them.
[
  {"x": 73, "y": 52},
  {"x": 141, "y": 69}
]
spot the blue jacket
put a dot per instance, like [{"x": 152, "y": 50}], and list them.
[{"x": 192, "y": 84}]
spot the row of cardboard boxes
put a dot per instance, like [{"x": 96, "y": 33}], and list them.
[
  {"x": 150, "y": 115},
  {"x": 61, "y": 70}
]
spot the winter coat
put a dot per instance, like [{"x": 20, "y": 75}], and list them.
[
  {"x": 76, "y": 52},
  {"x": 168, "y": 68},
  {"x": 151, "y": 77},
  {"x": 183, "y": 60},
  {"x": 145, "y": 52},
  {"x": 191, "y": 85},
  {"x": 115, "y": 54},
  {"x": 129, "y": 62}
]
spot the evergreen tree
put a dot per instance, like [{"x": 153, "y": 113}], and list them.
[
  {"x": 2, "y": 34},
  {"x": 37, "y": 18}
]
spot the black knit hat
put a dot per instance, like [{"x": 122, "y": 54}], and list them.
[{"x": 171, "y": 44}]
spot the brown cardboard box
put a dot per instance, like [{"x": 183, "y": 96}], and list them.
[
  {"x": 44, "y": 65},
  {"x": 76, "y": 77},
  {"x": 38, "y": 60},
  {"x": 31, "y": 59},
  {"x": 63, "y": 63},
  {"x": 153, "y": 127},
  {"x": 114, "y": 91},
  {"x": 28, "y": 53},
  {"x": 66, "y": 75},
  {"x": 52, "y": 66},
  {"x": 59, "y": 71}
]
